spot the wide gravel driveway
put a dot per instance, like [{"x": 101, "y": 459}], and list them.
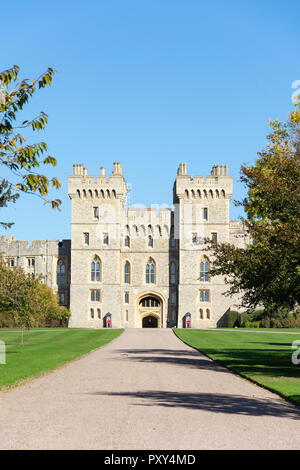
[{"x": 145, "y": 390}]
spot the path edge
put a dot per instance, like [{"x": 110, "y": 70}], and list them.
[{"x": 241, "y": 375}]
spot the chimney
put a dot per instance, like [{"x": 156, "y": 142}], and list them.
[{"x": 117, "y": 171}]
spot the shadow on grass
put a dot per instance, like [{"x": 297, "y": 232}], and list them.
[
  {"x": 267, "y": 362},
  {"x": 217, "y": 403}
]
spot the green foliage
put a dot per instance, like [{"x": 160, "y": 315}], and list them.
[
  {"x": 233, "y": 319},
  {"x": 267, "y": 271},
  {"x": 6, "y": 195},
  {"x": 25, "y": 302},
  {"x": 22, "y": 159},
  {"x": 252, "y": 324}
]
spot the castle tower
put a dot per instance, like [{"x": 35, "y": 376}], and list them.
[
  {"x": 97, "y": 210},
  {"x": 201, "y": 211}
]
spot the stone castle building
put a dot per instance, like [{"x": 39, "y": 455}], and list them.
[{"x": 137, "y": 267}]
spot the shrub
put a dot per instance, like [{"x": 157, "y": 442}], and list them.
[
  {"x": 232, "y": 319},
  {"x": 265, "y": 323}
]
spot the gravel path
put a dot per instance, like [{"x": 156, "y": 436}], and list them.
[{"x": 145, "y": 390}]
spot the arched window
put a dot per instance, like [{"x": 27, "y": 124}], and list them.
[
  {"x": 208, "y": 313},
  {"x": 204, "y": 270},
  {"x": 173, "y": 273},
  {"x": 60, "y": 272},
  {"x": 150, "y": 241},
  {"x": 127, "y": 241},
  {"x": 127, "y": 272},
  {"x": 99, "y": 313},
  {"x": 150, "y": 302},
  {"x": 96, "y": 269},
  {"x": 92, "y": 313},
  {"x": 150, "y": 272},
  {"x": 201, "y": 314}
]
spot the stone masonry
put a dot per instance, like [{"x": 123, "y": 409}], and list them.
[{"x": 139, "y": 267}]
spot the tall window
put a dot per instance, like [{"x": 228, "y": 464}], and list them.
[
  {"x": 92, "y": 313},
  {"x": 95, "y": 269},
  {"x": 127, "y": 241},
  {"x": 127, "y": 273},
  {"x": 61, "y": 298},
  {"x": 96, "y": 212},
  {"x": 126, "y": 297},
  {"x": 214, "y": 237},
  {"x": 105, "y": 238},
  {"x": 205, "y": 213},
  {"x": 150, "y": 241},
  {"x": 204, "y": 270},
  {"x": 60, "y": 272},
  {"x": 173, "y": 273},
  {"x": 95, "y": 295},
  {"x": 86, "y": 238},
  {"x": 204, "y": 295},
  {"x": 150, "y": 272}
]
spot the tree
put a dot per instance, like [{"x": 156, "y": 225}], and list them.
[
  {"x": 267, "y": 272},
  {"x": 6, "y": 196},
  {"x": 24, "y": 302},
  {"x": 23, "y": 160}
]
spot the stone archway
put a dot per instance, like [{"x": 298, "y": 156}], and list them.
[
  {"x": 149, "y": 322},
  {"x": 149, "y": 310}
]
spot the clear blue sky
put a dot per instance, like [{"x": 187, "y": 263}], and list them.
[{"x": 150, "y": 83}]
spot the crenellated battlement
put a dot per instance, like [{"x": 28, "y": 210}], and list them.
[
  {"x": 34, "y": 246},
  {"x": 217, "y": 185},
  {"x": 82, "y": 185}
]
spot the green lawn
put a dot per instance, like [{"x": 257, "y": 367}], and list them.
[
  {"x": 45, "y": 350},
  {"x": 264, "y": 358}
]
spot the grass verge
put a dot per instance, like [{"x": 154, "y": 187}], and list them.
[
  {"x": 44, "y": 350},
  {"x": 264, "y": 358}
]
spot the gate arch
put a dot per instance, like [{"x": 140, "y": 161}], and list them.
[{"x": 150, "y": 310}]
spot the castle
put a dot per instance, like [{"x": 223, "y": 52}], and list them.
[{"x": 137, "y": 267}]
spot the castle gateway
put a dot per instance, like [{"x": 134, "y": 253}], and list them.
[{"x": 137, "y": 267}]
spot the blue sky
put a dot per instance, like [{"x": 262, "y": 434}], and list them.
[{"x": 150, "y": 84}]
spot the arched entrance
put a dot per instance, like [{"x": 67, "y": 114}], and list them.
[
  {"x": 149, "y": 322},
  {"x": 150, "y": 311}
]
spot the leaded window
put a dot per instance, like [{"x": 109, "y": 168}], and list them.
[{"x": 96, "y": 269}]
